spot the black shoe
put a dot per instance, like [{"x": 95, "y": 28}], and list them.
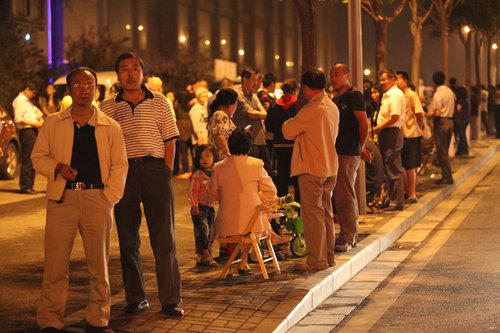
[
  {"x": 137, "y": 307},
  {"x": 50, "y": 330},
  {"x": 28, "y": 191},
  {"x": 173, "y": 310},
  {"x": 96, "y": 329},
  {"x": 443, "y": 182}
]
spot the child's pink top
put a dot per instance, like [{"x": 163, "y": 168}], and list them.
[{"x": 198, "y": 188}]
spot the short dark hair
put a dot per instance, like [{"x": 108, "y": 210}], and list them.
[
  {"x": 462, "y": 92},
  {"x": 30, "y": 86},
  {"x": 404, "y": 75},
  {"x": 289, "y": 86},
  {"x": 314, "y": 78},
  {"x": 247, "y": 73},
  {"x": 389, "y": 72},
  {"x": 438, "y": 78},
  {"x": 80, "y": 69},
  {"x": 269, "y": 79},
  {"x": 342, "y": 65},
  {"x": 239, "y": 142},
  {"x": 127, "y": 55}
]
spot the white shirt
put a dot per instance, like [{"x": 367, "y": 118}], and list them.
[
  {"x": 444, "y": 100},
  {"x": 25, "y": 110},
  {"x": 393, "y": 102},
  {"x": 199, "y": 119}
]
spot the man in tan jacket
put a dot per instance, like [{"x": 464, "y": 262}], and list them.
[
  {"x": 81, "y": 151},
  {"x": 315, "y": 162}
]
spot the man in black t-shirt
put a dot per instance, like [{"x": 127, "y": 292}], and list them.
[{"x": 353, "y": 130}]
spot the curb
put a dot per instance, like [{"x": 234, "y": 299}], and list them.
[{"x": 312, "y": 292}]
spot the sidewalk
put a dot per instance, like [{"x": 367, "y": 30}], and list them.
[{"x": 250, "y": 303}]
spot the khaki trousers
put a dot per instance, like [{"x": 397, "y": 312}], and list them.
[
  {"x": 317, "y": 216},
  {"x": 89, "y": 213},
  {"x": 345, "y": 199}
]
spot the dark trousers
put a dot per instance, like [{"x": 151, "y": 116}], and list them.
[
  {"x": 203, "y": 224},
  {"x": 181, "y": 155},
  {"x": 443, "y": 129},
  {"x": 27, "y": 137},
  {"x": 261, "y": 152},
  {"x": 497, "y": 120},
  {"x": 149, "y": 182},
  {"x": 391, "y": 144},
  {"x": 283, "y": 163},
  {"x": 463, "y": 146}
]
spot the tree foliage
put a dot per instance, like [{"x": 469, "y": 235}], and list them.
[
  {"x": 95, "y": 49},
  {"x": 20, "y": 62},
  {"x": 185, "y": 68}
]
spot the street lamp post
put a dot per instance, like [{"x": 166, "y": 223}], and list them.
[{"x": 356, "y": 69}]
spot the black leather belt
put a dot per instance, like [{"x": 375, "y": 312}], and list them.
[
  {"x": 145, "y": 159},
  {"x": 78, "y": 186}
]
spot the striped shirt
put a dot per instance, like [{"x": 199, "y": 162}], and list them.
[{"x": 146, "y": 126}]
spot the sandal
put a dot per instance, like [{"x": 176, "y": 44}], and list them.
[{"x": 207, "y": 262}]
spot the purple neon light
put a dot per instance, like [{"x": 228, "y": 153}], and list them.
[{"x": 49, "y": 32}]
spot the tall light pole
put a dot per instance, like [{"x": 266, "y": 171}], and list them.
[{"x": 356, "y": 69}]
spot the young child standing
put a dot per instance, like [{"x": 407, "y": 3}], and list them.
[{"x": 202, "y": 210}]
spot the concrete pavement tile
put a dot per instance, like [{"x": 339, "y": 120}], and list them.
[
  {"x": 353, "y": 293},
  {"x": 182, "y": 326},
  {"x": 218, "y": 323},
  {"x": 269, "y": 305},
  {"x": 196, "y": 328},
  {"x": 234, "y": 323},
  {"x": 360, "y": 285},
  {"x": 344, "y": 301},
  {"x": 332, "y": 309},
  {"x": 321, "y": 319},
  {"x": 310, "y": 328}
]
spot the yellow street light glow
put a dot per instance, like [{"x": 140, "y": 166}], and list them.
[
  {"x": 289, "y": 64},
  {"x": 140, "y": 28},
  {"x": 367, "y": 71},
  {"x": 494, "y": 46},
  {"x": 277, "y": 57},
  {"x": 207, "y": 42},
  {"x": 466, "y": 29},
  {"x": 127, "y": 27},
  {"x": 182, "y": 39},
  {"x": 223, "y": 41},
  {"x": 241, "y": 52}
]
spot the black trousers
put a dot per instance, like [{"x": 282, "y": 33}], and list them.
[
  {"x": 283, "y": 179},
  {"x": 390, "y": 141},
  {"x": 148, "y": 182},
  {"x": 261, "y": 152},
  {"x": 27, "y": 137}
]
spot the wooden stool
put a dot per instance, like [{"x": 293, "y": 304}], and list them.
[{"x": 249, "y": 237}]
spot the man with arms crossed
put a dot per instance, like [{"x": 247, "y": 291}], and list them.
[
  {"x": 150, "y": 131},
  {"x": 82, "y": 153},
  {"x": 250, "y": 113},
  {"x": 353, "y": 130},
  {"x": 315, "y": 162}
]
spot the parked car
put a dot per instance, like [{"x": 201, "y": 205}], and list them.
[{"x": 9, "y": 142}]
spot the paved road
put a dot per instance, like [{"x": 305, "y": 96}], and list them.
[
  {"x": 21, "y": 255},
  {"x": 451, "y": 282}
]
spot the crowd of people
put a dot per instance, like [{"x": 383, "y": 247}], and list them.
[{"x": 248, "y": 145}]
